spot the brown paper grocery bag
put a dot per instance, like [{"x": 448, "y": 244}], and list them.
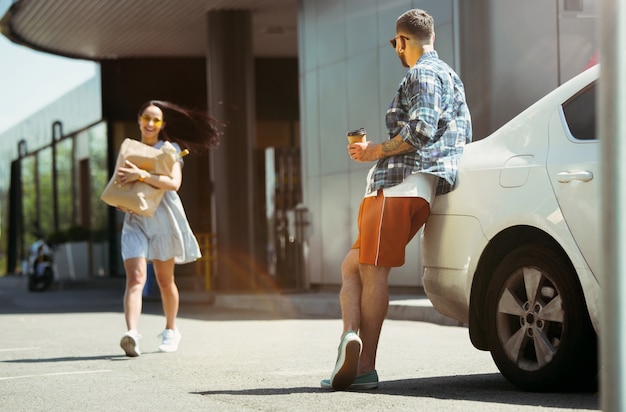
[{"x": 139, "y": 197}]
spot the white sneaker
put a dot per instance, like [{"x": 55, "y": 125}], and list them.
[
  {"x": 347, "y": 365},
  {"x": 130, "y": 343},
  {"x": 170, "y": 338}
]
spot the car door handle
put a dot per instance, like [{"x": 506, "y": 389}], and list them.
[{"x": 566, "y": 177}]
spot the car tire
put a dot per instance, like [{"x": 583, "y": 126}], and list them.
[{"x": 538, "y": 327}]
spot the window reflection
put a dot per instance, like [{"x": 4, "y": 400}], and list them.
[
  {"x": 81, "y": 174},
  {"x": 580, "y": 114},
  {"x": 65, "y": 181}
]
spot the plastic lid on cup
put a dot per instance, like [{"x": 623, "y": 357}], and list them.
[{"x": 357, "y": 132}]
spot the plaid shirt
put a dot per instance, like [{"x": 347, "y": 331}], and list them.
[{"x": 429, "y": 112}]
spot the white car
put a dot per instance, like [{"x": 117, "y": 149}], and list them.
[{"x": 514, "y": 250}]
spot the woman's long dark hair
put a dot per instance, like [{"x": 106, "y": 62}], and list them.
[{"x": 191, "y": 129}]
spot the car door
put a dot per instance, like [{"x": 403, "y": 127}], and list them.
[{"x": 574, "y": 169}]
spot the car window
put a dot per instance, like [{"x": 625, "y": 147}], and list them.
[{"x": 580, "y": 113}]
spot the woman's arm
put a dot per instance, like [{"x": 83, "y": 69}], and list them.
[{"x": 131, "y": 173}]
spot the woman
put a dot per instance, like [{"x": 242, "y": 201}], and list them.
[{"x": 165, "y": 238}]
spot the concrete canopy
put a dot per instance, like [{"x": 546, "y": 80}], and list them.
[{"x": 102, "y": 30}]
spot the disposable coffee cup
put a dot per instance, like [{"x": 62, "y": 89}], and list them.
[{"x": 355, "y": 136}]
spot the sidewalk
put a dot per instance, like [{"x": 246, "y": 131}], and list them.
[
  {"x": 305, "y": 304},
  {"x": 326, "y": 304}
]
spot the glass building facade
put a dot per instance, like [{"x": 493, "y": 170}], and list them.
[
  {"x": 508, "y": 53},
  {"x": 50, "y": 186}
]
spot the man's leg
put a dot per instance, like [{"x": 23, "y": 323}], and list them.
[
  {"x": 349, "y": 351},
  {"x": 351, "y": 290},
  {"x": 374, "y": 307}
]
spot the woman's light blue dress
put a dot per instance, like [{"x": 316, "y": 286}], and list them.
[{"x": 164, "y": 235}]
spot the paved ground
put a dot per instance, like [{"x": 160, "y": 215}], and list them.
[{"x": 60, "y": 351}]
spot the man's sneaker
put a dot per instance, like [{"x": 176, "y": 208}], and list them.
[
  {"x": 367, "y": 380},
  {"x": 170, "y": 338},
  {"x": 130, "y": 343},
  {"x": 347, "y": 364}
]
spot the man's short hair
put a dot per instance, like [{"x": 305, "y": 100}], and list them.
[{"x": 418, "y": 23}]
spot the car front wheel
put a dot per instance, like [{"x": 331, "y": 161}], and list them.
[{"x": 538, "y": 328}]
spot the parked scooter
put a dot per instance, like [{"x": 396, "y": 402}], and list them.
[{"x": 40, "y": 272}]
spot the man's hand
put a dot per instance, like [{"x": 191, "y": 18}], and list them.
[
  {"x": 363, "y": 151},
  {"x": 369, "y": 151}
]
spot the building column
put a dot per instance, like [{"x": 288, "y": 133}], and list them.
[{"x": 231, "y": 100}]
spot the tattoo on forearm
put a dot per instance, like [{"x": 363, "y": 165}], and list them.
[
  {"x": 394, "y": 145},
  {"x": 391, "y": 145}
]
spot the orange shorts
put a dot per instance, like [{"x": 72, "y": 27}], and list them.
[{"x": 386, "y": 226}]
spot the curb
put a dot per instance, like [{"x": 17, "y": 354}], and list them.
[
  {"x": 296, "y": 305},
  {"x": 326, "y": 305}
]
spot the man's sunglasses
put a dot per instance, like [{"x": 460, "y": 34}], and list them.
[{"x": 394, "y": 40}]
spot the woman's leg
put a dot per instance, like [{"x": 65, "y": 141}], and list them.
[
  {"x": 164, "y": 272},
  {"x": 135, "y": 280}
]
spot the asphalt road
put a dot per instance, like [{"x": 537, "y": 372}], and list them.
[{"x": 59, "y": 351}]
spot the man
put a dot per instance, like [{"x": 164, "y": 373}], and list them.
[{"x": 428, "y": 123}]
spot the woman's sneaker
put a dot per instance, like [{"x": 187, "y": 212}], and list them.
[
  {"x": 170, "y": 338},
  {"x": 130, "y": 343}
]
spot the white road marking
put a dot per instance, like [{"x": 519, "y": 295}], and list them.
[
  {"x": 8, "y": 378},
  {"x": 16, "y": 349}
]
